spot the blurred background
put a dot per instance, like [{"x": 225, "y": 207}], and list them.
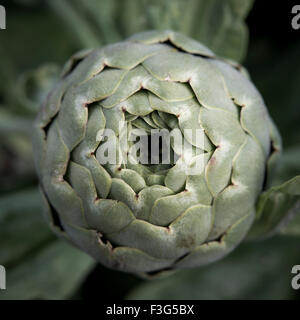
[{"x": 40, "y": 36}]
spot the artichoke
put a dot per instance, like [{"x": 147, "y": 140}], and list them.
[{"x": 152, "y": 218}]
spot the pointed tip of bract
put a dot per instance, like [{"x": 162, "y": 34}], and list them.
[{"x": 178, "y": 40}]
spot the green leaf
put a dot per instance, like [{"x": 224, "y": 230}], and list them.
[
  {"x": 74, "y": 20},
  {"x": 22, "y": 228},
  {"x": 218, "y": 24},
  {"x": 16, "y": 165},
  {"x": 55, "y": 272},
  {"x": 275, "y": 207},
  {"x": 253, "y": 271},
  {"x": 290, "y": 167},
  {"x": 32, "y": 87},
  {"x": 292, "y": 227},
  {"x": 38, "y": 265},
  {"x": 222, "y": 27},
  {"x": 13, "y": 124}
]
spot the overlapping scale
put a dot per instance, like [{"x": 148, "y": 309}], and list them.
[{"x": 138, "y": 217}]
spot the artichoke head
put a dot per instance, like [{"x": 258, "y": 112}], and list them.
[{"x": 151, "y": 218}]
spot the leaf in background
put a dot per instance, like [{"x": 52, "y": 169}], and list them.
[
  {"x": 218, "y": 24},
  {"x": 32, "y": 87},
  {"x": 15, "y": 148},
  {"x": 55, "y": 272},
  {"x": 38, "y": 265},
  {"x": 79, "y": 27},
  {"x": 279, "y": 207},
  {"x": 292, "y": 227},
  {"x": 275, "y": 207},
  {"x": 16, "y": 166},
  {"x": 290, "y": 167},
  {"x": 23, "y": 97},
  {"x": 22, "y": 228},
  {"x": 253, "y": 271}
]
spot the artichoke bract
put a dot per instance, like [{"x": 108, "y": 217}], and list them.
[{"x": 150, "y": 218}]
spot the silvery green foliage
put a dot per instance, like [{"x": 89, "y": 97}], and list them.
[
  {"x": 145, "y": 219},
  {"x": 220, "y": 25},
  {"x": 32, "y": 254}
]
